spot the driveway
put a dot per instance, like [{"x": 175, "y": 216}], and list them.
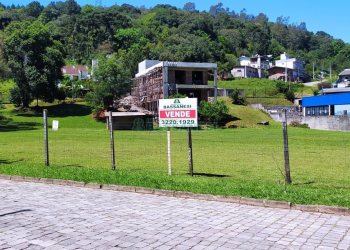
[{"x": 42, "y": 216}]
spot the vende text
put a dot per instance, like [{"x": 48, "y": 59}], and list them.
[{"x": 177, "y": 114}]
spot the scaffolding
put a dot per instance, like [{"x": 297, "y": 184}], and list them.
[{"x": 148, "y": 89}]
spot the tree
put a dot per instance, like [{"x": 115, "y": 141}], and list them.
[
  {"x": 112, "y": 82},
  {"x": 71, "y": 7},
  {"x": 34, "y": 9},
  {"x": 4, "y": 70},
  {"x": 35, "y": 60},
  {"x": 342, "y": 59},
  {"x": 125, "y": 38},
  {"x": 216, "y": 9},
  {"x": 189, "y": 7}
]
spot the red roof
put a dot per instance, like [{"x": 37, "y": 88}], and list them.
[{"x": 74, "y": 70}]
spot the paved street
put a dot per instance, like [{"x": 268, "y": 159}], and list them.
[{"x": 41, "y": 216}]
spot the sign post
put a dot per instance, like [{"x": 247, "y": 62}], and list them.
[
  {"x": 179, "y": 113},
  {"x": 190, "y": 156},
  {"x": 169, "y": 151},
  {"x": 46, "y": 138}
]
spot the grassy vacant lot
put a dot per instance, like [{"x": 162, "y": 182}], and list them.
[{"x": 244, "y": 161}]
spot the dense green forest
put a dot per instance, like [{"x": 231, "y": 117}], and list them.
[
  {"x": 131, "y": 34},
  {"x": 167, "y": 33}
]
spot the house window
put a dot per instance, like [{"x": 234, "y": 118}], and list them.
[
  {"x": 180, "y": 76},
  {"x": 317, "y": 111},
  {"x": 197, "y": 77}
]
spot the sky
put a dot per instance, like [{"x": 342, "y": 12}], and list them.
[{"x": 319, "y": 15}]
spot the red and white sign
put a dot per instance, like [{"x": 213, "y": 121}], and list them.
[{"x": 180, "y": 112}]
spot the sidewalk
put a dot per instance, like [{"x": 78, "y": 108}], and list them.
[{"x": 41, "y": 216}]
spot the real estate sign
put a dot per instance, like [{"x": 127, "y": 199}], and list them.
[{"x": 179, "y": 112}]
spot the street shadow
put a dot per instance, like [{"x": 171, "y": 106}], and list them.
[
  {"x": 211, "y": 175},
  {"x": 16, "y": 212}
]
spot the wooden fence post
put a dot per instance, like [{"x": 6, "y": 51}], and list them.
[
  {"x": 286, "y": 147},
  {"x": 111, "y": 133}
]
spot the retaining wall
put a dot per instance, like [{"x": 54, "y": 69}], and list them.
[{"x": 336, "y": 123}]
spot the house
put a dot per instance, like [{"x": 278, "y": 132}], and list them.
[
  {"x": 258, "y": 62},
  {"x": 244, "y": 72},
  {"x": 279, "y": 73},
  {"x": 327, "y": 104},
  {"x": 344, "y": 78},
  {"x": 130, "y": 121},
  {"x": 94, "y": 66},
  {"x": 159, "y": 79},
  {"x": 76, "y": 72},
  {"x": 294, "y": 65},
  {"x": 334, "y": 91}
]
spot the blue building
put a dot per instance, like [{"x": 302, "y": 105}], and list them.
[{"x": 327, "y": 104}]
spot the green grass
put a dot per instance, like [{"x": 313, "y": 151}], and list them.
[
  {"x": 244, "y": 161},
  {"x": 246, "y": 117},
  {"x": 263, "y": 90}
]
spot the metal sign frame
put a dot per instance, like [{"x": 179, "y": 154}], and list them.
[{"x": 178, "y": 113}]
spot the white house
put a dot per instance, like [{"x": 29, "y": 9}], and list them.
[
  {"x": 344, "y": 78},
  {"x": 296, "y": 65},
  {"x": 244, "y": 72},
  {"x": 258, "y": 62}
]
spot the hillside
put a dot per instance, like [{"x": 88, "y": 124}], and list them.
[
  {"x": 247, "y": 117},
  {"x": 165, "y": 32},
  {"x": 265, "y": 91}
]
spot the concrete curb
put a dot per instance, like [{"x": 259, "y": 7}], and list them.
[{"x": 187, "y": 195}]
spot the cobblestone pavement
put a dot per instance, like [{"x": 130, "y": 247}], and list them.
[{"x": 41, "y": 216}]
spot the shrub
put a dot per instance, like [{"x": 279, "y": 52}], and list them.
[
  {"x": 237, "y": 97},
  {"x": 315, "y": 92},
  {"x": 324, "y": 85},
  {"x": 288, "y": 89},
  {"x": 282, "y": 87},
  {"x": 213, "y": 112},
  {"x": 177, "y": 95},
  {"x": 15, "y": 96},
  {"x": 297, "y": 124},
  {"x": 61, "y": 94},
  {"x": 289, "y": 95}
]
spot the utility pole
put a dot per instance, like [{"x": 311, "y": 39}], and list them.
[
  {"x": 313, "y": 71},
  {"x": 285, "y": 72},
  {"x": 330, "y": 72}
]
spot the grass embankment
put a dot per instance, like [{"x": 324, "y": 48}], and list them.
[
  {"x": 263, "y": 90},
  {"x": 245, "y": 162}
]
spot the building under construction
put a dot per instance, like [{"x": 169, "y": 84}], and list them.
[{"x": 160, "y": 79}]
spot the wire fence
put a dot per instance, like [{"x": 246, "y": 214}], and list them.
[
  {"x": 253, "y": 155},
  {"x": 245, "y": 154}
]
